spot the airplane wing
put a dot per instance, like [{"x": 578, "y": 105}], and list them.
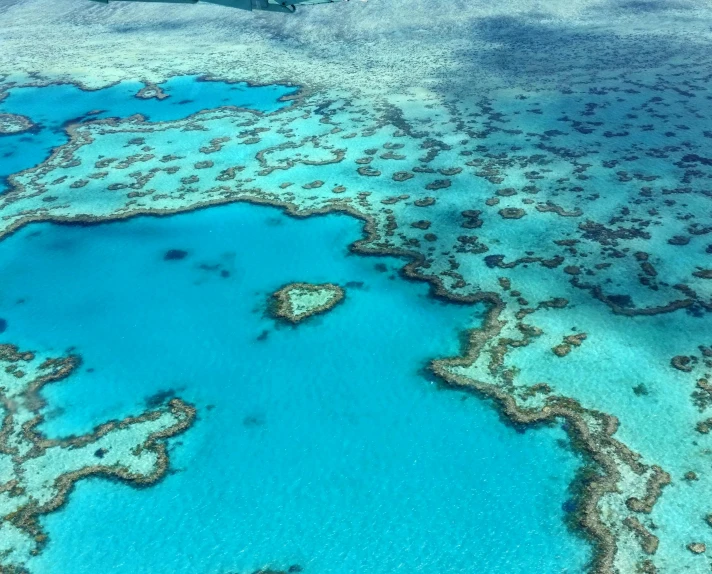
[{"x": 265, "y": 5}]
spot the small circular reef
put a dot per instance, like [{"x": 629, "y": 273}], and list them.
[{"x": 299, "y": 301}]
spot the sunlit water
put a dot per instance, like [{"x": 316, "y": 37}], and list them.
[{"x": 323, "y": 446}]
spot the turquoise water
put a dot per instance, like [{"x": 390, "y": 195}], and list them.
[
  {"x": 323, "y": 445},
  {"x": 320, "y": 445},
  {"x": 51, "y": 108}
]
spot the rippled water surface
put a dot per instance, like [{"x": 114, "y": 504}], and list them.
[{"x": 321, "y": 445}]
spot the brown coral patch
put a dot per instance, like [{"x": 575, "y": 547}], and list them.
[
  {"x": 512, "y": 213},
  {"x": 402, "y": 176},
  {"x": 424, "y": 202},
  {"x": 438, "y": 184}
]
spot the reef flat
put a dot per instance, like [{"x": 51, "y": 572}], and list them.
[
  {"x": 298, "y": 301},
  {"x": 38, "y": 473},
  {"x": 554, "y": 165},
  {"x": 376, "y": 48}
]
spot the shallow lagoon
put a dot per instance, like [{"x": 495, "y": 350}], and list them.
[
  {"x": 52, "y": 108},
  {"x": 641, "y": 107},
  {"x": 320, "y": 445}
]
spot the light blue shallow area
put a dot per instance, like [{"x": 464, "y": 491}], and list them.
[
  {"x": 321, "y": 445},
  {"x": 51, "y": 107}
]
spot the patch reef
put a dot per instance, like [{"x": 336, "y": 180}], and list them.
[
  {"x": 38, "y": 473},
  {"x": 298, "y": 301}
]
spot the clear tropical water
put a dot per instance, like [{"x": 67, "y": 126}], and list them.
[
  {"x": 555, "y": 160},
  {"x": 323, "y": 445},
  {"x": 53, "y": 108}
]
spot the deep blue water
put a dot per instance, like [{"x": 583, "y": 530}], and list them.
[
  {"x": 51, "y": 107},
  {"x": 321, "y": 445}
]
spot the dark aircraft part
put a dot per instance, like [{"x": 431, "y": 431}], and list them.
[
  {"x": 264, "y": 5},
  {"x": 273, "y": 7}
]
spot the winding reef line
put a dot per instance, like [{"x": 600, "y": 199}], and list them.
[
  {"x": 600, "y": 473},
  {"x": 610, "y": 469}
]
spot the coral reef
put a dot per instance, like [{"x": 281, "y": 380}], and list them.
[
  {"x": 39, "y": 472},
  {"x": 299, "y": 301},
  {"x": 574, "y": 143},
  {"x": 12, "y": 124},
  {"x": 574, "y": 265}
]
